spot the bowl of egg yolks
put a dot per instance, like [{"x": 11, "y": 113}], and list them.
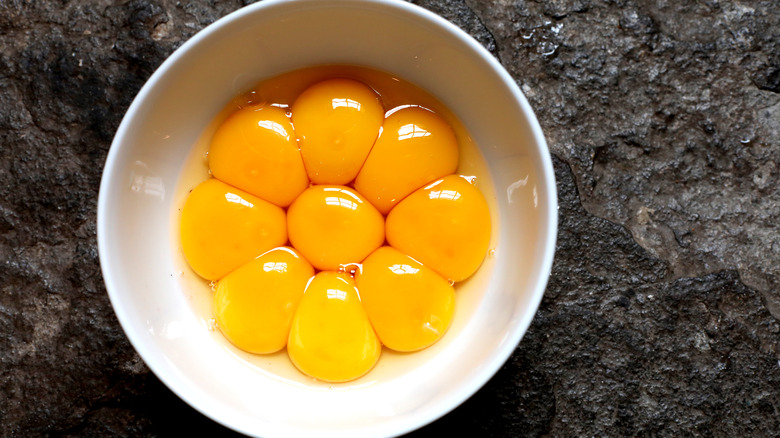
[{"x": 182, "y": 209}]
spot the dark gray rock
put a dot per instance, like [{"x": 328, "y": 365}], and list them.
[
  {"x": 664, "y": 119},
  {"x": 669, "y": 114}
]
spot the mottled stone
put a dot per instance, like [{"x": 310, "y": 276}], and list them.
[
  {"x": 458, "y": 13},
  {"x": 664, "y": 121},
  {"x": 669, "y": 114}
]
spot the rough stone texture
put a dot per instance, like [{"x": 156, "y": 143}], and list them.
[
  {"x": 669, "y": 115},
  {"x": 661, "y": 316}
]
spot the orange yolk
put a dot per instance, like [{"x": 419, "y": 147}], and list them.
[
  {"x": 223, "y": 227},
  {"x": 263, "y": 159},
  {"x": 445, "y": 226},
  {"x": 415, "y": 148},
  {"x": 331, "y": 337},
  {"x": 337, "y": 122},
  {"x": 333, "y": 226},
  {"x": 254, "y": 305},
  {"x": 409, "y": 305},
  {"x": 255, "y": 150}
]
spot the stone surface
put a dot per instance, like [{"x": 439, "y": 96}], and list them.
[{"x": 661, "y": 316}]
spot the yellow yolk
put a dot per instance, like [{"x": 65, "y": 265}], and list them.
[
  {"x": 331, "y": 337},
  {"x": 223, "y": 227},
  {"x": 337, "y": 122},
  {"x": 334, "y": 225},
  {"x": 445, "y": 226},
  {"x": 255, "y": 149},
  {"x": 415, "y": 148},
  {"x": 409, "y": 305},
  {"x": 254, "y": 305},
  {"x": 345, "y": 185}
]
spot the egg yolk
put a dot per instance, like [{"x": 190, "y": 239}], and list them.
[
  {"x": 409, "y": 305},
  {"x": 223, "y": 227},
  {"x": 445, "y": 226},
  {"x": 415, "y": 148},
  {"x": 337, "y": 122},
  {"x": 331, "y": 337},
  {"x": 434, "y": 225},
  {"x": 333, "y": 226},
  {"x": 254, "y": 305},
  {"x": 255, "y": 149}
]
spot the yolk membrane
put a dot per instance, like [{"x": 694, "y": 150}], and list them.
[
  {"x": 223, "y": 227},
  {"x": 409, "y": 305},
  {"x": 331, "y": 337},
  {"x": 445, "y": 226},
  {"x": 255, "y": 150},
  {"x": 254, "y": 305},
  {"x": 415, "y": 148},
  {"x": 337, "y": 122},
  {"x": 333, "y": 226}
]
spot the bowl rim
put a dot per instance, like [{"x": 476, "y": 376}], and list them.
[{"x": 546, "y": 176}]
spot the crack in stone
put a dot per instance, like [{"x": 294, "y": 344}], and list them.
[{"x": 471, "y": 5}]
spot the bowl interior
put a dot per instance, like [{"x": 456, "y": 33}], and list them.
[{"x": 162, "y": 307}]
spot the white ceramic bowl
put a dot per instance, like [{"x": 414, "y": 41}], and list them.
[{"x": 161, "y": 306}]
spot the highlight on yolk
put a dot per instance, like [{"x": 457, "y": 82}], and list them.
[
  {"x": 255, "y": 149},
  {"x": 409, "y": 305},
  {"x": 445, "y": 226},
  {"x": 254, "y": 305},
  {"x": 223, "y": 227},
  {"x": 331, "y": 338},
  {"x": 415, "y": 148},
  {"x": 337, "y": 122},
  {"x": 333, "y": 226}
]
